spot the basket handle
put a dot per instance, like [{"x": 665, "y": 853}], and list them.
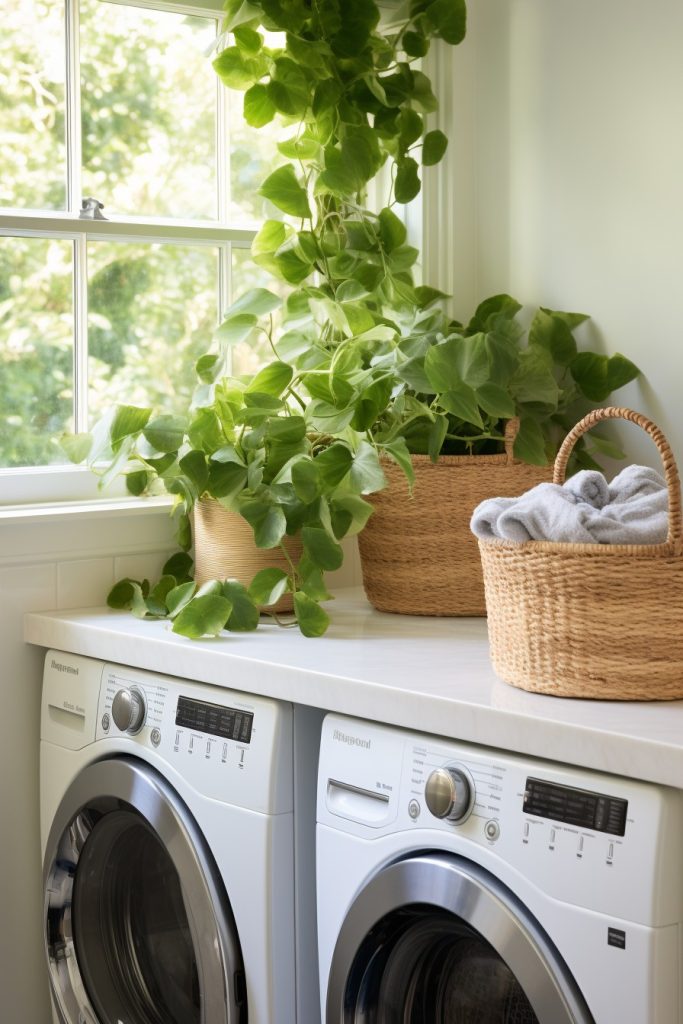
[
  {"x": 675, "y": 530},
  {"x": 511, "y": 431}
]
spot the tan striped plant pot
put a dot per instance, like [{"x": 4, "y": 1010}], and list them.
[
  {"x": 225, "y": 549},
  {"x": 418, "y": 554}
]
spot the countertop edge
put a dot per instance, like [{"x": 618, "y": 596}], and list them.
[{"x": 646, "y": 758}]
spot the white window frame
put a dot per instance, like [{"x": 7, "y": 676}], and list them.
[{"x": 26, "y": 486}]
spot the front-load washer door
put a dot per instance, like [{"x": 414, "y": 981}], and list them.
[
  {"x": 435, "y": 939},
  {"x": 138, "y": 927}
]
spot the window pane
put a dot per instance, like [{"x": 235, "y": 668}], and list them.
[
  {"x": 151, "y": 314},
  {"x": 148, "y": 111},
  {"x": 32, "y": 74},
  {"x": 36, "y": 349}
]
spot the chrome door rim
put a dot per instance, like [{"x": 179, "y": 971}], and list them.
[
  {"x": 104, "y": 784},
  {"x": 454, "y": 884}
]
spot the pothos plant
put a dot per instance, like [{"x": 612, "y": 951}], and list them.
[
  {"x": 275, "y": 447},
  {"x": 365, "y": 363}
]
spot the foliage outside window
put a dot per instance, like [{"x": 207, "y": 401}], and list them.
[{"x": 120, "y": 103}]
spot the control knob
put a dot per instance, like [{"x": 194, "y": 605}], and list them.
[
  {"x": 448, "y": 794},
  {"x": 128, "y": 710}
]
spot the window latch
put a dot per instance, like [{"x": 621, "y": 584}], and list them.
[{"x": 91, "y": 209}]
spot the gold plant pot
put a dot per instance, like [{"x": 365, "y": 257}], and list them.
[{"x": 225, "y": 549}]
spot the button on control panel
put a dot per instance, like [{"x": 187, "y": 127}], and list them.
[{"x": 492, "y": 830}]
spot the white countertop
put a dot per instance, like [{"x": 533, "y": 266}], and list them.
[{"x": 427, "y": 674}]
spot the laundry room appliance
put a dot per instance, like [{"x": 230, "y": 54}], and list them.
[
  {"x": 168, "y": 842},
  {"x": 463, "y": 885}
]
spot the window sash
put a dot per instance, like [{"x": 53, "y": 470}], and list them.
[{"x": 36, "y": 484}]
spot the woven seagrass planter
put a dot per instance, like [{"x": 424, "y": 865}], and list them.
[
  {"x": 418, "y": 555},
  {"x": 602, "y": 621},
  {"x": 225, "y": 549}
]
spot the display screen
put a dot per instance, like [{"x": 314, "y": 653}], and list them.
[
  {"x": 575, "y": 806},
  {"x": 215, "y": 719}
]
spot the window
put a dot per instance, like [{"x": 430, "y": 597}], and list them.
[{"x": 116, "y": 103}]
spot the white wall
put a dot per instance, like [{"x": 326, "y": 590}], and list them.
[
  {"x": 46, "y": 562},
  {"x": 64, "y": 561},
  {"x": 568, "y": 116}
]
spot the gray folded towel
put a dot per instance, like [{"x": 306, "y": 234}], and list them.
[
  {"x": 590, "y": 486},
  {"x": 633, "y": 509}
]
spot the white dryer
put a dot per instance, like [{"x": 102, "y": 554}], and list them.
[
  {"x": 168, "y": 841},
  {"x": 461, "y": 885}
]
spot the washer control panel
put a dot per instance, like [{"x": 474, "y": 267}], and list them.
[
  {"x": 584, "y": 837},
  {"x": 228, "y": 745}
]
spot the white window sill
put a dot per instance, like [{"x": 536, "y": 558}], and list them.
[{"x": 40, "y": 511}]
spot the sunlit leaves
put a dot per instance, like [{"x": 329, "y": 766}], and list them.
[
  {"x": 237, "y": 69},
  {"x": 282, "y": 188},
  {"x": 76, "y": 446},
  {"x": 236, "y": 328},
  {"x": 165, "y": 433},
  {"x": 128, "y": 419},
  {"x": 259, "y": 108},
  {"x": 271, "y": 380}
]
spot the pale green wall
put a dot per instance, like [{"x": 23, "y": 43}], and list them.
[{"x": 574, "y": 113}]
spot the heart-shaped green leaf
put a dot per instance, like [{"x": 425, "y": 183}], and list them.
[
  {"x": 313, "y": 620},
  {"x": 203, "y": 616},
  {"x": 434, "y": 146},
  {"x": 268, "y": 586},
  {"x": 321, "y": 549},
  {"x": 284, "y": 191},
  {"x": 244, "y": 616}
]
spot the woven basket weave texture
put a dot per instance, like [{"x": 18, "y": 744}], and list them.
[
  {"x": 418, "y": 555},
  {"x": 588, "y": 620},
  {"x": 225, "y": 549}
]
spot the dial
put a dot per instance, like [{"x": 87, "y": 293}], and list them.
[
  {"x": 128, "y": 710},
  {"x": 448, "y": 794}
]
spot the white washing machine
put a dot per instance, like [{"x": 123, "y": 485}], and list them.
[
  {"x": 168, "y": 842},
  {"x": 461, "y": 885}
]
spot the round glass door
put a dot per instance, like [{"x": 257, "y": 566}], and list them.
[
  {"x": 424, "y": 966},
  {"x": 131, "y": 931},
  {"x": 435, "y": 939},
  {"x": 138, "y": 925}
]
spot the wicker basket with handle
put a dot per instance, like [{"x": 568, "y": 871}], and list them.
[
  {"x": 225, "y": 549},
  {"x": 591, "y": 620},
  {"x": 418, "y": 556}
]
